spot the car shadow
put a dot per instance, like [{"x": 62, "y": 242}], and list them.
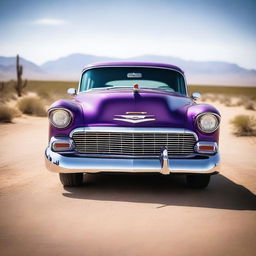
[{"x": 170, "y": 190}]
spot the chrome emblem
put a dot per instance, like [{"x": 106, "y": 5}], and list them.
[{"x": 135, "y": 117}]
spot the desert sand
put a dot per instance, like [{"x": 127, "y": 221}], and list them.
[{"x": 122, "y": 214}]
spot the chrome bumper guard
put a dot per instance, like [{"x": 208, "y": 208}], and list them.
[{"x": 56, "y": 162}]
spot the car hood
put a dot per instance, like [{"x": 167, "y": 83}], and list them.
[{"x": 146, "y": 108}]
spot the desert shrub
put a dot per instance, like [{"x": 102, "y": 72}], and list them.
[
  {"x": 227, "y": 90},
  {"x": 7, "y": 92},
  {"x": 7, "y": 96},
  {"x": 226, "y": 100},
  {"x": 31, "y": 106},
  {"x": 213, "y": 97},
  {"x": 204, "y": 97},
  {"x": 7, "y": 114},
  {"x": 244, "y": 125},
  {"x": 249, "y": 105},
  {"x": 44, "y": 95},
  {"x": 241, "y": 100},
  {"x": 208, "y": 97},
  {"x": 15, "y": 112}
]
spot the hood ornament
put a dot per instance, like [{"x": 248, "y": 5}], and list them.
[
  {"x": 135, "y": 88},
  {"x": 135, "y": 117}
]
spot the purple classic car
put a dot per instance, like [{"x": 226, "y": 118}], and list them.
[{"x": 133, "y": 117}]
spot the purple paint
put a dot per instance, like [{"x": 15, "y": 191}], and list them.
[{"x": 98, "y": 108}]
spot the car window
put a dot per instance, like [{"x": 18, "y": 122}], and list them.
[{"x": 126, "y": 77}]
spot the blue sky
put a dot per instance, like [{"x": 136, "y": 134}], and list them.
[{"x": 196, "y": 30}]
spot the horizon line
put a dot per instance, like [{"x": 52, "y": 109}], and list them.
[{"x": 127, "y": 58}]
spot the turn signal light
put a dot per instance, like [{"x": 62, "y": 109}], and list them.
[
  {"x": 62, "y": 144},
  {"x": 207, "y": 147}
]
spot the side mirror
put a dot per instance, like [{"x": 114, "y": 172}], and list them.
[
  {"x": 71, "y": 91},
  {"x": 196, "y": 95}
]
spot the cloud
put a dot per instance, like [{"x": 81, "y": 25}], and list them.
[{"x": 50, "y": 22}]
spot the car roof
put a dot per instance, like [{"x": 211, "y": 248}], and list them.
[{"x": 134, "y": 64}]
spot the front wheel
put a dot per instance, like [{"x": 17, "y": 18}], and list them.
[
  {"x": 71, "y": 179},
  {"x": 198, "y": 181}
]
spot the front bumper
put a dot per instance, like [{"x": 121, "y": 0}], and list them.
[{"x": 56, "y": 162}]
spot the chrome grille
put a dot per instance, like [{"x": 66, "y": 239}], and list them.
[{"x": 133, "y": 143}]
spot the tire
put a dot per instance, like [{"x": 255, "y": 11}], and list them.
[
  {"x": 198, "y": 181},
  {"x": 71, "y": 179}
]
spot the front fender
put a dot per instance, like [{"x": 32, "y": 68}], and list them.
[
  {"x": 192, "y": 112},
  {"x": 77, "y": 121}
]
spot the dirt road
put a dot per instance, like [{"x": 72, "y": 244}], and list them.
[{"x": 123, "y": 214}]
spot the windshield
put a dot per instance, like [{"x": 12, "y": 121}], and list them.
[{"x": 127, "y": 77}]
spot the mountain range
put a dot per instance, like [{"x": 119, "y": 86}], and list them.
[{"x": 70, "y": 67}]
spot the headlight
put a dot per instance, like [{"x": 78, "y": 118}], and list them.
[
  {"x": 208, "y": 122},
  {"x": 60, "y": 118}
]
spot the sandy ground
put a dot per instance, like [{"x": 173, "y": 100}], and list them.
[{"x": 124, "y": 214}]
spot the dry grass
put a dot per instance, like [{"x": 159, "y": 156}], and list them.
[
  {"x": 209, "y": 97},
  {"x": 244, "y": 125},
  {"x": 7, "y": 92},
  {"x": 228, "y": 95},
  {"x": 31, "y": 105},
  {"x": 7, "y": 113},
  {"x": 236, "y": 91},
  {"x": 49, "y": 91},
  {"x": 226, "y": 100},
  {"x": 250, "y": 105},
  {"x": 241, "y": 100},
  {"x": 248, "y": 102}
]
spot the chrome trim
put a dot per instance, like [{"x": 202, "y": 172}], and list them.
[
  {"x": 60, "y": 140},
  {"x": 133, "y": 141},
  {"x": 71, "y": 91},
  {"x": 131, "y": 66},
  {"x": 205, "y": 113},
  {"x": 164, "y": 161},
  {"x": 196, "y": 95},
  {"x": 136, "y": 117},
  {"x": 206, "y": 143},
  {"x": 132, "y": 129},
  {"x": 134, "y": 121},
  {"x": 60, "y": 108},
  {"x": 93, "y": 155},
  {"x": 135, "y": 113},
  {"x": 63, "y": 164},
  {"x": 134, "y": 75}
]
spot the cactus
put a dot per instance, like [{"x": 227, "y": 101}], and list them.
[{"x": 20, "y": 85}]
